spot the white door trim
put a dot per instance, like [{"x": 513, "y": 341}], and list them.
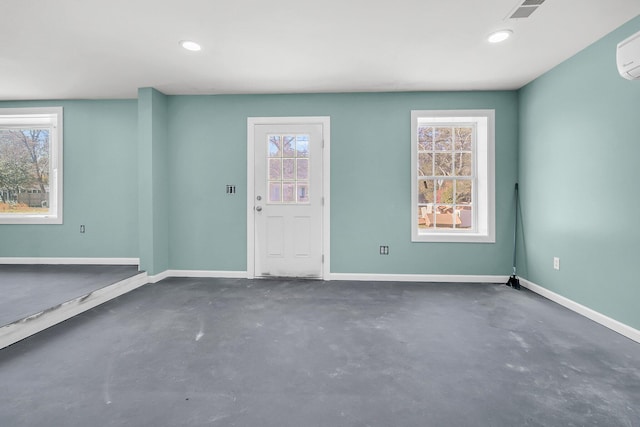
[{"x": 325, "y": 121}]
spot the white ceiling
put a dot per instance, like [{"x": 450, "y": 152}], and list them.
[{"x": 74, "y": 49}]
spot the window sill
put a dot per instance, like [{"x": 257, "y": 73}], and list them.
[
  {"x": 445, "y": 237},
  {"x": 34, "y": 219}
]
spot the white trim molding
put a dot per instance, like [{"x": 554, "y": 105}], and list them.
[
  {"x": 70, "y": 261},
  {"x": 606, "y": 321},
  {"x": 158, "y": 277},
  {"x": 51, "y": 119},
  {"x": 482, "y": 216},
  {"x": 360, "y": 277},
  {"x": 198, "y": 273},
  {"x": 206, "y": 273},
  {"x": 325, "y": 121},
  {"x": 28, "y": 326},
  {"x": 429, "y": 278},
  {"x": 23, "y": 328}
]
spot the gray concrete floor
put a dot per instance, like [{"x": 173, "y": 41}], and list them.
[
  {"x": 29, "y": 289},
  {"x": 233, "y": 352}
]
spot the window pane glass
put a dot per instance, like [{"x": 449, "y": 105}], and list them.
[
  {"x": 288, "y": 192},
  {"x": 466, "y": 217},
  {"x": 442, "y": 138},
  {"x": 24, "y": 171},
  {"x": 303, "y": 169},
  {"x": 443, "y": 164},
  {"x": 445, "y": 217},
  {"x": 303, "y": 192},
  {"x": 288, "y": 145},
  {"x": 464, "y": 137},
  {"x": 425, "y": 164},
  {"x": 462, "y": 164},
  {"x": 275, "y": 146},
  {"x": 275, "y": 169},
  {"x": 275, "y": 192},
  {"x": 426, "y": 191},
  {"x": 425, "y": 138},
  {"x": 445, "y": 191},
  {"x": 289, "y": 162},
  {"x": 452, "y": 180},
  {"x": 426, "y": 218},
  {"x": 302, "y": 146},
  {"x": 288, "y": 168},
  {"x": 463, "y": 192}
]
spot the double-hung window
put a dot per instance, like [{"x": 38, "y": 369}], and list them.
[
  {"x": 31, "y": 165},
  {"x": 452, "y": 178}
]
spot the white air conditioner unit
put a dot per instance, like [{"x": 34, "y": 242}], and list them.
[{"x": 628, "y": 57}]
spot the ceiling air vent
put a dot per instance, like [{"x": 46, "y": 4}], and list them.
[{"x": 526, "y": 9}]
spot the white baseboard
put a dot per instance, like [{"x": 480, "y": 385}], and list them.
[
  {"x": 198, "y": 273},
  {"x": 606, "y": 321},
  {"x": 158, "y": 277},
  {"x": 28, "y": 326},
  {"x": 19, "y": 330},
  {"x": 70, "y": 261},
  {"x": 440, "y": 278},
  {"x": 207, "y": 273},
  {"x": 343, "y": 276}
]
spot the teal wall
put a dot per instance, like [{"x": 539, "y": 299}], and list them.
[
  {"x": 370, "y": 180},
  {"x": 578, "y": 162},
  {"x": 153, "y": 180},
  {"x": 148, "y": 179},
  {"x": 100, "y": 186}
]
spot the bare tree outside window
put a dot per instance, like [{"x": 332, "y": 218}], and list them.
[
  {"x": 31, "y": 165},
  {"x": 24, "y": 170}
]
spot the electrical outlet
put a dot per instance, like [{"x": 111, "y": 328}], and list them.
[
  {"x": 384, "y": 250},
  {"x": 82, "y": 228},
  {"x": 556, "y": 263}
]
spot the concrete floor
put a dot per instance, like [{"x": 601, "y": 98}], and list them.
[
  {"x": 234, "y": 352},
  {"x": 29, "y": 289}
]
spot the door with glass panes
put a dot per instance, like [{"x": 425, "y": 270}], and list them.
[{"x": 288, "y": 200}]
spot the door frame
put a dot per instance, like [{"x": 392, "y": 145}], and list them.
[{"x": 325, "y": 122}]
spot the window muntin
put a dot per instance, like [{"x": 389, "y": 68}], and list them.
[
  {"x": 452, "y": 176},
  {"x": 446, "y": 175},
  {"x": 31, "y": 166},
  {"x": 288, "y": 169}
]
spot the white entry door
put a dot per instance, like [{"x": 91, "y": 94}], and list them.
[{"x": 288, "y": 200}]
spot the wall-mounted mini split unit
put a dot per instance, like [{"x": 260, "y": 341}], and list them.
[{"x": 628, "y": 57}]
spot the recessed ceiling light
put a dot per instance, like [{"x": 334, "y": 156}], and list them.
[
  {"x": 190, "y": 45},
  {"x": 499, "y": 36}
]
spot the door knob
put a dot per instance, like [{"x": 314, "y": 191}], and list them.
[{"x": 259, "y": 208}]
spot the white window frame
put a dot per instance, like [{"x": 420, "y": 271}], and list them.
[
  {"x": 45, "y": 117},
  {"x": 483, "y": 198}
]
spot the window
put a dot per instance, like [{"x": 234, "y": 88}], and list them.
[
  {"x": 288, "y": 171},
  {"x": 452, "y": 177},
  {"x": 31, "y": 166}
]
